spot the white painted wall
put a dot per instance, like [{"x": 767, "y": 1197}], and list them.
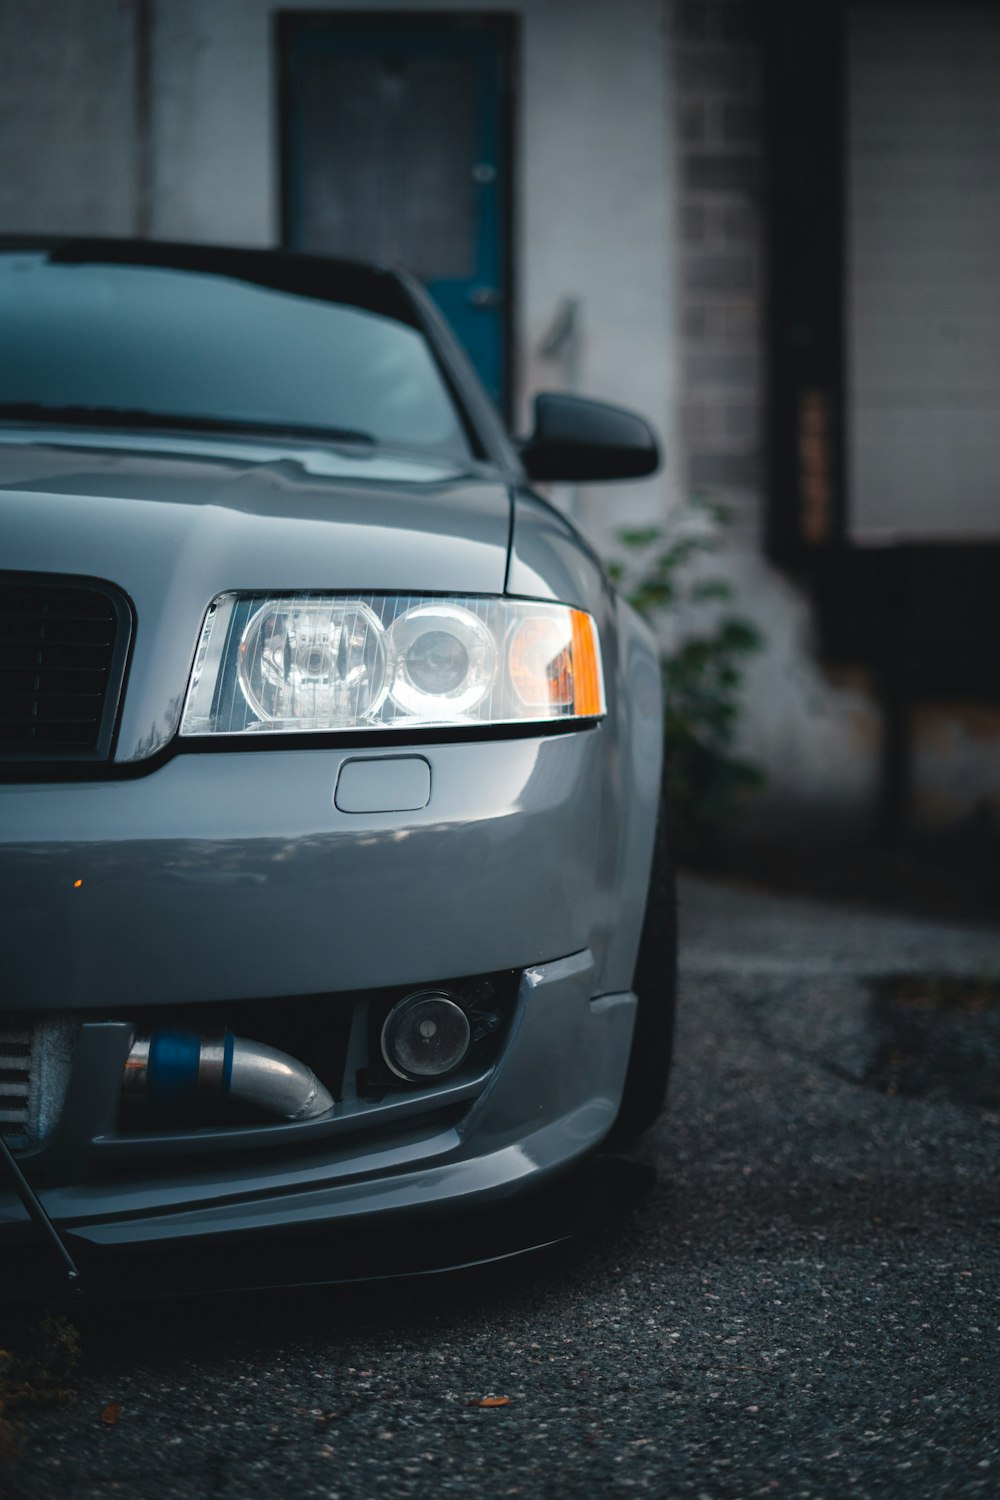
[
  {"x": 815, "y": 736},
  {"x": 67, "y": 117}
]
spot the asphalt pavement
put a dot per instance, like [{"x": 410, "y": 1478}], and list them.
[{"x": 804, "y": 1302}]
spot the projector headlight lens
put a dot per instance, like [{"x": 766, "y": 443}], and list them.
[
  {"x": 328, "y": 663},
  {"x": 444, "y": 660}
]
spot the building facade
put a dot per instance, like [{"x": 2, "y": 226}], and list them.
[{"x": 772, "y": 228}]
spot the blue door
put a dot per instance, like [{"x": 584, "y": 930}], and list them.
[{"x": 395, "y": 148}]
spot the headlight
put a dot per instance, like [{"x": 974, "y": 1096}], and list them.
[{"x": 323, "y": 663}]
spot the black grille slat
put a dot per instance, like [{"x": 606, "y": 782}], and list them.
[
  {"x": 38, "y": 595},
  {"x": 46, "y": 734},
  {"x": 40, "y": 674},
  {"x": 60, "y": 657},
  {"x": 15, "y": 695},
  {"x": 56, "y": 656},
  {"x": 55, "y": 619},
  {"x": 46, "y": 690},
  {"x": 20, "y": 605},
  {"x": 48, "y": 701},
  {"x": 66, "y": 708}
]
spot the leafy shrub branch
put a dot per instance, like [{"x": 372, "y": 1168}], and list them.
[{"x": 663, "y": 577}]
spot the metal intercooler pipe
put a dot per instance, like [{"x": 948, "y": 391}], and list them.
[{"x": 178, "y": 1067}]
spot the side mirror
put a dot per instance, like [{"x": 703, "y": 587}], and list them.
[{"x": 578, "y": 439}]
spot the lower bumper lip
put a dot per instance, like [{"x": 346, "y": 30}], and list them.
[{"x": 570, "y": 1205}]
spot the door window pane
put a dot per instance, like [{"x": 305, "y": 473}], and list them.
[{"x": 387, "y": 160}]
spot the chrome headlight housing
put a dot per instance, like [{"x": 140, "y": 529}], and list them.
[{"x": 328, "y": 663}]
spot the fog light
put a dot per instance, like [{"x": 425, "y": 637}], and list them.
[{"x": 425, "y": 1035}]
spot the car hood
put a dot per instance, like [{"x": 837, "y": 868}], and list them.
[{"x": 172, "y": 523}]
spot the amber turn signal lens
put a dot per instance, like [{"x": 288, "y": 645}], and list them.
[{"x": 588, "y": 698}]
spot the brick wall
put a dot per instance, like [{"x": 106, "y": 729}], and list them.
[{"x": 717, "y": 53}]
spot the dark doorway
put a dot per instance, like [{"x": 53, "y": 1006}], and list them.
[{"x": 395, "y": 147}]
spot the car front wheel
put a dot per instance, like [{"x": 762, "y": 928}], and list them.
[{"x": 655, "y": 986}]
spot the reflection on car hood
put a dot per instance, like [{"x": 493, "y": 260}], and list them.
[{"x": 173, "y": 523}]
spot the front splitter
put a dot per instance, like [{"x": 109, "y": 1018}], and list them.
[{"x": 577, "y": 1203}]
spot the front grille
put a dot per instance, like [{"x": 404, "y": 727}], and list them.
[
  {"x": 62, "y": 648},
  {"x": 35, "y": 1059}
]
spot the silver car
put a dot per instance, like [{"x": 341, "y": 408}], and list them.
[{"x": 334, "y": 876}]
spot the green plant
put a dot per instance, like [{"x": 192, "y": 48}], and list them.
[{"x": 702, "y": 667}]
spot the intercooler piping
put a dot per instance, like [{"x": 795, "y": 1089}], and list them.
[{"x": 178, "y": 1067}]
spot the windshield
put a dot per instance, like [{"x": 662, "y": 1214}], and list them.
[{"x": 91, "y": 341}]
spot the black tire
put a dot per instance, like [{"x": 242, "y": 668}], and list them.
[{"x": 655, "y": 985}]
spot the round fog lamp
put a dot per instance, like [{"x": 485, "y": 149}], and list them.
[{"x": 425, "y": 1035}]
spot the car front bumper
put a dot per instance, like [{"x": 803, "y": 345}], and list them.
[{"x": 232, "y": 877}]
